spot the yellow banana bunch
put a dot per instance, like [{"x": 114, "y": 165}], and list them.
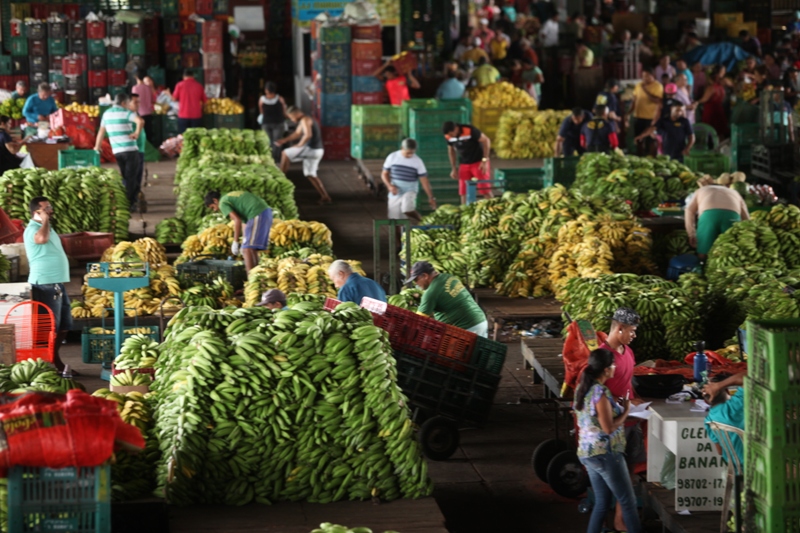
[
  {"x": 527, "y": 134},
  {"x": 222, "y": 106},
  {"x": 501, "y": 94}
]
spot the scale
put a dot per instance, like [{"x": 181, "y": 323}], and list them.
[{"x": 118, "y": 278}]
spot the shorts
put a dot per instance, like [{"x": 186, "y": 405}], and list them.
[
  {"x": 54, "y": 297},
  {"x": 400, "y": 204},
  {"x": 309, "y": 156},
  {"x": 256, "y": 231},
  {"x": 467, "y": 172},
  {"x": 711, "y": 224}
]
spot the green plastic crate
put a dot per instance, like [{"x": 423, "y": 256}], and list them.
[
  {"x": 773, "y": 418},
  {"x": 169, "y": 126},
  {"x": 116, "y": 61},
  {"x": 57, "y": 47},
  {"x": 773, "y": 349},
  {"x": 375, "y": 133},
  {"x": 523, "y": 179},
  {"x": 158, "y": 75},
  {"x": 765, "y": 518},
  {"x": 773, "y": 474},
  {"x": 561, "y": 170},
  {"x": 135, "y": 47},
  {"x": 377, "y": 115},
  {"x": 169, "y": 7},
  {"x": 415, "y": 103},
  {"x": 68, "y": 499},
  {"x": 428, "y": 122},
  {"x": 5, "y": 65},
  {"x": 97, "y": 47},
  {"x": 489, "y": 355},
  {"x": 466, "y": 103},
  {"x": 743, "y": 137},
  {"x": 372, "y": 149},
  {"x": 334, "y": 34},
  {"x": 78, "y": 159},
  {"x": 117, "y": 89},
  {"x": 101, "y": 347},
  {"x": 208, "y": 269},
  {"x": 19, "y": 46},
  {"x": 57, "y": 77}
]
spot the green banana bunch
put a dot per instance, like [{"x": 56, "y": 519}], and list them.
[
  {"x": 170, "y": 230},
  {"x": 201, "y": 142},
  {"x": 445, "y": 215},
  {"x": 327, "y": 527},
  {"x": 129, "y": 378},
  {"x": 138, "y": 351},
  {"x": 84, "y": 199},
  {"x": 5, "y": 265},
  {"x": 408, "y": 298},
  {"x": 298, "y": 404},
  {"x": 33, "y": 376}
]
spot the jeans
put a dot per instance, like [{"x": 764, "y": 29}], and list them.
[
  {"x": 186, "y": 123},
  {"x": 609, "y": 476},
  {"x": 54, "y": 296},
  {"x": 148, "y": 128},
  {"x": 130, "y": 166},
  {"x": 275, "y": 133}
]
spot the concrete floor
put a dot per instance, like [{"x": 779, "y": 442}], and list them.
[{"x": 488, "y": 485}]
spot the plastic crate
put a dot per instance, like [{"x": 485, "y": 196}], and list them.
[
  {"x": 75, "y": 499},
  {"x": 457, "y": 344},
  {"x": 375, "y": 133},
  {"x": 206, "y": 269},
  {"x": 762, "y": 517},
  {"x": 13, "y": 268},
  {"x": 330, "y": 304},
  {"x": 367, "y": 115},
  {"x": 372, "y": 149},
  {"x": 707, "y": 163},
  {"x": 78, "y": 159},
  {"x": 773, "y": 474},
  {"x": 56, "y": 47},
  {"x": 335, "y": 85},
  {"x": 5, "y": 66},
  {"x": 561, "y": 170},
  {"x": 365, "y": 67},
  {"x": 773, "y": 348},
  {"x": 19, "y": 46},
  {"x": 773, "y": 418},
  {"x": 369, "y": 98},
  {"x": 101, "y": 347},
  {"x": 37, "y": 30},
  {"x": 367, "y": 50},
  {"x": 487, "y": 119},
  {"x": 116, "y": 61},
  {"x": 95, "y": 30},
  {"x": 489, "y": 355},
  {"x": 136, "y": 47},
  {"x": 415, "y": 103},
  {"x": 428, "y": 122},
  {"x": 367, "y": 84},
  {"x": 523, "y": 179},
  {"x": 333, "y": 34},
  {"x": 84, "y": 245}
]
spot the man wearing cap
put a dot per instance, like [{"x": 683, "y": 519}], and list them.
[
  {"x": 403, "y": 172},
  {"x": 353, "y": 287},
  {"x": 245, "y": 207},
  {"x": 600, "y": 133},
  {"x": 623, "y": 331},
  {"x": 447, "y": 299},
  {"x": 273, "y": 299}
]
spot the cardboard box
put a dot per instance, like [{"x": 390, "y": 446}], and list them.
[
  {"x": 8, "y": 344},
  {"x": 144, "y": 389}
]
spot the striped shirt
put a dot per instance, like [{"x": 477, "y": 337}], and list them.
[
  {"x": 119, "y": 124},
  {"x": 405, "y": 171}
]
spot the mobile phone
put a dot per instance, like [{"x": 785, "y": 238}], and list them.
[{"x": 628, "y": 395}]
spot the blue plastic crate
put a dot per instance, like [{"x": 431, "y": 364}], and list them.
[
  {"x": 367, "y": 84},
  {"x": 335, "y": 84}
]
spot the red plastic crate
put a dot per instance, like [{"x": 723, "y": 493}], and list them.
[
  {"x": 204, "y": 7},
  {"x": 186, "y": 7},
  {"x": 95, "y": 30},
  {"x": 191, "y": 60},
  {"x": 212, "y": 44},
  {"x": 85, "y": 245},
  {"x": 72, "y": 11},
  {"x": 188, "y": 27},
  {"x": 405, "y": 63},
  {"x": 336, "y": 135},
  {"x": 457, "y": 343},
  {"x": 172, "y": 44},
  {"x": 16, "y": 28},
  {"x": 369, "y": 98},
  {"x": 63, "y": 118},
  {"x": 371, "y": 32},
  {"x": 98, "y": 78},
  {"x": 7, "y": 83},
  {"x": 212, "y": 76},
  {"x": 117, "y": 77},
  {"x": 331, "y": 304},
  {"x": 367, "y": 50},
  {"x": 73, "y": 65},
  {"x": 212, "y": 28},
  {"x": 8, "y": 231},
  {"x": 366, "y": 67},
  {"x": 337, "y": 152}
]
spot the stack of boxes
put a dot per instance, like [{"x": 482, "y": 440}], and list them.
[
  {"x": 184, "y": 39},
  {"x": 332, "y": 78},
  {"x": 772, "y": 426},
  {"x": 97, "y": 60},
  {"x": 367, "y": 58},
  {"x": 212, "y": 57}
]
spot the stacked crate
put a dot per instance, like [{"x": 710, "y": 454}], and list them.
[
  {"x": 118, "y": 56},
  {"x": 376, "y": 131},
  {"x": 367, "y": 58},
  {"x": 772, "y": 426},
  {"x": 212, "y": 32},
  {"x": 332, "y": 83},
  {"x": 97, "y": 60}
]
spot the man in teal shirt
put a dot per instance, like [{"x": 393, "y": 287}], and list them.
[
  {"x": 451, "y": 88},
  {"x": 38, "y": 107},
  {"x": 447, "y": 299},
  {"x": 49, "y": 269},
  {"x": 245, "y": 207}
]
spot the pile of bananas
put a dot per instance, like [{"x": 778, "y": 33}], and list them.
[
  {"x": 84, "y": 199},
  {"x": 216, "y": 294},
  {"x": 170, "y": 230},
  {"x": 144, "y": 250},
  {"x": 307, "y": 275},
  {"x": 138, "y": 351},
  {"x": 528, "y": 134},
  {"x": 222, "y": 106},
  {"x": 129, "y": 378},
  {"x": 501, "y": 94},
  {"x": 670, "y": 316},
  {"x": 408, "y": 298},
  {"x": 292, "y": 235},
  {"x": 33, "y": 376},
  {"x": 12, "y": 108},
  {"x": 299, "y": 404},
  {"x": 133, "y": 475},
  {"x": 327, "y": 527},
  {"x": 5, "y": 265},
  {"x": 441, "y": 248},
  {"x": 127, "y": 331},
  {"x": 92, "y": 111},
  {"x": 445, "y": 215},
  {"x": 201, "y": 141},
  {"x": 669, "y": 245},
  {"x": 645, "y": 181},
  {"x": 215, "y": 240}
]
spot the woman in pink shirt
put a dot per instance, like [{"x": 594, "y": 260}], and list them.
[{"x": 147, "y": 96}]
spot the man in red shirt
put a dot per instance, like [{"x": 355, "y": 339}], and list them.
[
  {"x": 396, "y": 85},
  {"x": 191, "y": 96}
]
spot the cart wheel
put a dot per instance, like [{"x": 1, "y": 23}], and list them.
[
  {"x": 544, "y": 453},
  {"x": 439, "y": 438},
  {"x": 566, "y": 475}
]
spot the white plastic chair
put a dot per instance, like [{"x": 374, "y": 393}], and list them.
[{"x": 735, "y": 473}]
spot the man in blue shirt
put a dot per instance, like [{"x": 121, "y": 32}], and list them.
[
  {"x": 568, "y": 142},
  {"x": 38, "y": 107},
  {"x": 49, "y": 269},
  {"x": 608, "y": 98},
  {"x": 451, "y": 88},
  {"x": 353, "y": 286}
]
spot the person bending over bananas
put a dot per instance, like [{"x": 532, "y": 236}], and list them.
[{"x": 257, "y": 215}]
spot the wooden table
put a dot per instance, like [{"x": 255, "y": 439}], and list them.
[
  {"x": 662, "y": 502},
  {"x": 544, "y": 356},
  {"x": 45, "y": 155},
  {"x": 500, "y": 308}
]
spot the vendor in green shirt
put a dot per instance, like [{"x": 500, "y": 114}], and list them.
[
  {"x": 245, "y": 207},
  {"x": 447, "y": 299}
]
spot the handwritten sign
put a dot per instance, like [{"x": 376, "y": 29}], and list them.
[{"x": 699, "y": 469}]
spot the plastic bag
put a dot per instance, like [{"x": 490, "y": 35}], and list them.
[
  {"x": 576, "y": 353},
  {"x": 667, "y": 476}
]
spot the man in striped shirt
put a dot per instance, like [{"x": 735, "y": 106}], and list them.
[
  {"x": 403, "y": 171},
  {"x": 123, "y": 128}
]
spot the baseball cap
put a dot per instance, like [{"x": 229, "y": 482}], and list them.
[
  {"x": 272, "y": 296},
  {"x": 671, "y": 88},
  {"x": 626, "y": 316},
  {"x": 420, "y": 267}
]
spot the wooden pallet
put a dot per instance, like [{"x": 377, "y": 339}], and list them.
[{"x": 544, "y": 356}]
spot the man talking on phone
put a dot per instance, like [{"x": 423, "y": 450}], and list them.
[{"x": 49, "y": 269}]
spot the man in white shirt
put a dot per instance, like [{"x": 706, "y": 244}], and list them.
[
  {"x": 403, "y": 171},
  {"x": 549, "y": 32}
]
